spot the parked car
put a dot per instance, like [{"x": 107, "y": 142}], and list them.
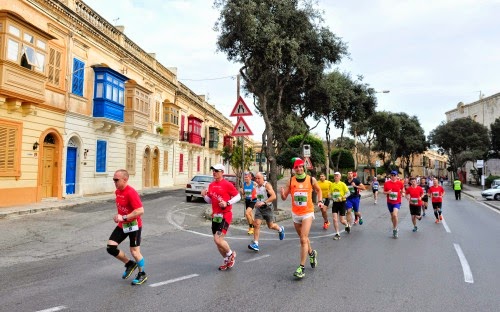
[
  {"x": 196, "y": 185},
  {"x": 231, "y": 178},
  {"x": 492, "y": 193},
  {"x": 264, "y": 175}
]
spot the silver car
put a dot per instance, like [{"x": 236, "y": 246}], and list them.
[
  {"x": 492, "y": 193},
  {"x": 196, "y": 185}
]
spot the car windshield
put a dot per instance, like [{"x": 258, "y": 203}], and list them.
[
  {"x": 230, "y": 178},
  {"x": 202, "y": 179}
]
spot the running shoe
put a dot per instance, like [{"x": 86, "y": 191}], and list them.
[
  {"x": 355, "y": 221},
  {"x": 140, "y": 278},
  {"x": 360, "y": 221},
  {"x": 253, "y": 246},
  {"x": 437, "y": 220},
  {"x": 336, "y": 237},
  {"x": 395, "y": 233},
  {"x": 231, "y": 260},
  {"x": 299, "y": 273},
  {"x": 326, "y": 225},
  {"x": 281, "y": 233},
  {"x": 423, "y": 215},
  {"x": 250, "y": 231},
  {"x": 313, "y": 258},
  {"x": 129, "y": 269},
  {"x": 223, "y": 267},
  {"x": 419, "y": 218},
  {"x": 348, "y": 228},
  {"x": 440, "y": 217},
  {"x": 415, "y": 229}
]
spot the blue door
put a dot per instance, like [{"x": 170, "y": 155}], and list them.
[{"x": 71, "y": 170}]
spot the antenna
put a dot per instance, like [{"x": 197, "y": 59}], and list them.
[{"x": 115, "y": 20}]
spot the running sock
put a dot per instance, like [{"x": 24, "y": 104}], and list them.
[
  {"x": 229, "y": 253},
  {"x": 251, "y": 226},
  {"x": 140, "y": 263}
]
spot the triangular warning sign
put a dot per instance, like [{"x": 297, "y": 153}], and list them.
[
  {"x": 308, "y": 163},
  {"x": 240, "y": 109},
  {"x": 241, "y": 128}
]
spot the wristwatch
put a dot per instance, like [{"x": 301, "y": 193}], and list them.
[{"x": 124, "y": 217}]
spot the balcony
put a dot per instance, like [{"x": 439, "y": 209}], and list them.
[{"x": 192, "y": 138}]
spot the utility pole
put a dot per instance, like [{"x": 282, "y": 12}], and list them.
[{"x": 238, "y": 77}]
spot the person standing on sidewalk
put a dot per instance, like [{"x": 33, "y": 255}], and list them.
[
  {"x": 375, "y": 186},
  {"x": 394, "y": 189},
  {"x": 301, "y": 187},
  {"x": 264, "y": 210},
  {"x": 222, "y": 195},
  {"x": 352, "y": 202},
  {"x": 248, "y": 191},
  {"x": 325, "y": 186},
  {"x": 339, "y": 194},
  {"x": 436, "y": 192},
  {"x": 129, "y": 224},
  {"x": 457, "y": 186},
  {"x": 414, "y": 194}
]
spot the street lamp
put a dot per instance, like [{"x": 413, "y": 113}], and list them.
[{"x": 383, "y": 91}]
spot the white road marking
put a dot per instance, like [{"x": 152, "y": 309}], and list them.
[
  {"x": 465, "y": 265},
  {"x": 491, "y": 208},
  {"x": 256, "y": 258},
  {"x": 59, "y": 308},
  {"x": 445, "y": 226},
  {"x": 173, "y": 280}
]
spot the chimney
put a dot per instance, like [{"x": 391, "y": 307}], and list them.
[{"x": 120, "y": 29}]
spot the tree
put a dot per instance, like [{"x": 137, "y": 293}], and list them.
[
  {"x": 295, "y": 150},
  {"x": 495, "y": 139},
  {"x": 385, "y": 127},
  {"x": 234, "y": 157},
  {"x": 346, "y": 160},
  {"x": 410, "y": 141},
  {"x": 283, "y": 49},
  {"x": 462, "y": 140}
]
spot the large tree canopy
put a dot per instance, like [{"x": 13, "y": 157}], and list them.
[
  {"x": 462, "y": 140},
  {"x": 495, "y": 139},
  {"x": 283, "y": 50}
]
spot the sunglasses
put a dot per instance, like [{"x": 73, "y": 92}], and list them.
[
  {"x": 116, "y": 180},
  {"x": 216, "y": 170}
]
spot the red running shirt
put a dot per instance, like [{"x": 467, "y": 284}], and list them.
[{"x": 127, "y": 200}]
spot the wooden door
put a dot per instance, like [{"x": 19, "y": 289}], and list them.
[{"x": 48, "y": 170}]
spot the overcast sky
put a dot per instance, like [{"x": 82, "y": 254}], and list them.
[{"x": 430, "y": 55}]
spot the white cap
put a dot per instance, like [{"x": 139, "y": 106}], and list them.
[
  {"x": 337, "y": 173},
  {"x": 218, "y": 167}
]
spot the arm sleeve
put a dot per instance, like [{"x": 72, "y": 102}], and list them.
[{"x": 234, "y": 200}]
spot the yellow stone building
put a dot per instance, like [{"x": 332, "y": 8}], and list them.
[{"x": 79, "y": 100}]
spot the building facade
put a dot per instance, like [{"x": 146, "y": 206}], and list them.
[{"x": 79, "y": 100}]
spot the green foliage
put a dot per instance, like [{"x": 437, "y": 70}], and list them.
[
  {"x": 489, "y": 180},
  {"x": 462, "y": 140},
  {"x": 235, "y": 158},
  {"x": 295, "y": 144},
  {"x": 495, "y": 139},
  {"x": 346, "y": 160}
]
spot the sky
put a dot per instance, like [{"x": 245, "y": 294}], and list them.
[{"x": 429, "y": 55}]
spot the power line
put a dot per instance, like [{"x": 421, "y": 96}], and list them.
[{"x": 218, "y": 78}]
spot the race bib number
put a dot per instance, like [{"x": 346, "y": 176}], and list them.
[
  {"x": 130, "y": 226},
  {"x": 217, "y": 218},
  {"x": 300, "y": 199},
  {"x": 414, "y": 201},
  {"x": 260, "y": 197},
  {"x": 248, "y": 193},
  {"x": 336, "y": 196},
  {"x": 375, "y": 187},
  {"x": 351, "y": 189},
  {"x": 435, "y": 194},
  {"x": 393, "y": 195}
]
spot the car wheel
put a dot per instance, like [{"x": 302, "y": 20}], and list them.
[
  {"x": 189, "y": 198},
  {"x": 497, "y": 196}
]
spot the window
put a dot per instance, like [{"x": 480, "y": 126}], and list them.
[
  {"x": 10, "y": 151},
  {"x": 54, "y": 67},
  {"x": 108, "y": 87},
  {"x": 100, "y": 162},
  {"x": 21, "y": 48},
  {"x": 181, "y": 162},
  {"x": 78, "y": 75},
  {"x": 165, "y": 160},
  {"x": 157, "y": 111},
  {"x": 198, "y": 164},
  {"x": 130, "y": 161}
]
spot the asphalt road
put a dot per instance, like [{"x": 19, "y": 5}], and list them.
[{"x": 56, "y": 261}]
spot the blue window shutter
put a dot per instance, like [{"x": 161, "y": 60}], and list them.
[
  {"x": 78, "y": 74},
  {"x": 101, "y": 156}
]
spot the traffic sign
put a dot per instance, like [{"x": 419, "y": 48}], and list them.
[
  {"x": 241, "y": 128},
  {"x": 240, "y": 109},
  {"x": 308, "y": 163}
]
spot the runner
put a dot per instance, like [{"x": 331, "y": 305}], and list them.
[
  {"x": 436, "y": 192},
  {"x": 375, "y": 186},
  {"x": 352, "y": 203},
  {"x": 425, "y": 199},
  {"x": 248, "y": 190},
  {"x": 394, "y": 189},
  {"x": 339, "y": 194},
  {"x": 264, "y": 210},
  {"x": 414, "y": 194},
  {"x": 301, "y": 187},
  {"x": 130, "y": 210},
  {"x": 222, "y": 195},
  {"x": 325, "y": 186}
]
